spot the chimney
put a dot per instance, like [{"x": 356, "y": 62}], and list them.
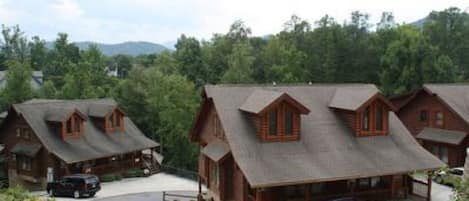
[{"x": 466, "y": 165}]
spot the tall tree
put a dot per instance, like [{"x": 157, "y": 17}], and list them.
[
  {"x": 38, "y": 51},
  {"x": 18, "y": 86},
  {"x": 240, "y": 65},
  {"x": 14, "y": 45},
  {"x": 62, "y": 58},
  {"x": 189, "y": 57}
]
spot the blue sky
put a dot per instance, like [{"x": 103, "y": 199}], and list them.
[{"x": 160, "y": 21}]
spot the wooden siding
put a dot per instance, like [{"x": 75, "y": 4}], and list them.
[{"x": 410, "y": 116}]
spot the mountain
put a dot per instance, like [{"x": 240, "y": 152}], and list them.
[{"x": 127, "y": 48}]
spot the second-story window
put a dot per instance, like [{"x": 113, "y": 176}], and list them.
[
  {"x": 288, "y": 122},
  {"x": 379, "y": 118},
  {"x": 69, "y": 126},
  {"x": 366, "y": 119},
  {"x": 273, "y": 122},
  {"x": 77, "y": 124},
  {"x": 423, "y": 116},
  {"x": 439, "y": 119}
]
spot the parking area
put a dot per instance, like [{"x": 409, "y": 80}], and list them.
[{"x": 155, "y": 183}]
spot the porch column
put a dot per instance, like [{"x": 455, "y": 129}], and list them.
[
  {"x": 258, "y": 194},
  {"x": 308, "y": 192},
  {"x": 429, "y": 187}
]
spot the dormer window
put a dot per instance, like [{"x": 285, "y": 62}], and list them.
[
  {"x": 277, "y": 115},
  {"x": 66, "y": 121},
  {"x": 109, "y": 116},
  {"x": 365, "y": 110}
]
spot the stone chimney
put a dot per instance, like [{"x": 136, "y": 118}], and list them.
[{"x": 466, "y": 165}]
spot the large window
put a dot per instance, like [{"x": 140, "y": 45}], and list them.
[
  {"x": 288, "y": 122},
  {"x": 373, "y": 120},
  {"x": 423, "y": 116},
  {"x": 24, "y": 163},
  {"x": 439, "y": 119},
  {"x": 69, "y": 126},
  {"x": 273, "y": 122},
  {"x": 77, "y": 124},
  {"x": 215, "y": 174},
  {"x": 366, "y": 119},
  {"x": 440, "y": 151},
  {"x": 379, "y": 118}
]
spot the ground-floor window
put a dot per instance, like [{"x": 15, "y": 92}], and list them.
[
  {"x": 440, "y": 151},
  {"x": 24, "y": 163},
  {"x": 214, "y": 174},
  {"x": 370, "y": 183},
  {"x": 293, "y": 192}
]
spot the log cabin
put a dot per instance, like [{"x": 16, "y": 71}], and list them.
[
  {"x": 438, "y": 116},
  {"x": 46, "y": 139},
  {"x": 303, "y": 142}
]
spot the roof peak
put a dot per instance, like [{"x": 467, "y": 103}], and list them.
[{"x": 49, "y": 101}]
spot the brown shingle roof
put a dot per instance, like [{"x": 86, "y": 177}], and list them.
[
  {"x": 442, "y": 135},
  {"x": 259, "y": 100},
  {"x": 455, "y": 95},
  {"x": 327, "y": 150},
  {"x": 216, "y": 150},
  {"x": 351, "y": 98},
  {"x": 93, "y": 144},
  {"x": 28, "y": 149}
]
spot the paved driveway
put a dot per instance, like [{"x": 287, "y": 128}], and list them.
[
  {"x": 155, "y": 183},
  {"x": 152, "y": 196}
]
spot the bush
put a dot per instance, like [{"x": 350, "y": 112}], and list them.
[
  {"x": 134, "y": 173},
  {"x": 20, "y": 194},
  {"x": 110, "y": 177}
]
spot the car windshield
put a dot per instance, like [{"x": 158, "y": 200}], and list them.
[{"x": 90, "y": 180}]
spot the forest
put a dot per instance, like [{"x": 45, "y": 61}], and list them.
[{"x": 161, "y": 92}]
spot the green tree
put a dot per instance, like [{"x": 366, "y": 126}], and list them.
[
  {"x": 38, "y": 51},
  {"x": 14, "y": 45},
  {"x": 240, "y": 65},
  {"x": 18, "y": 86},
  {"x": 189, "y": 57},
  {"x": 169, "y": 103},
  {"x": 62, "y": 58},
  {"x": 123, "y": 63},
  {"x": 48, "y": 90}
]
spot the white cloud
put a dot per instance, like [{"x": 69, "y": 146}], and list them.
[{"x": 67, "y": 9}]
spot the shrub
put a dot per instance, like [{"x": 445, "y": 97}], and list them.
[
  {"x": 110, "y": 177},
  {"x": 134, "y": 173},
  {"x": 18, "y": 193}
]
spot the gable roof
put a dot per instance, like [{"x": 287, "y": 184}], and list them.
[
  {"x": 327, "y": 149},
  {"x": 354, "y": 98},
  {"x": 456, "y": 96},
  {"x": 61, "y": 114},
  {"x": 216, "y": 150},
  {"x": 93, "y": 144},
  {"x": 260, "y": 99},
  {"x": 100, "y": 109},
  {"x": 442, "y": 135}
]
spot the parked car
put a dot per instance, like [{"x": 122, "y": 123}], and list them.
[
  {"x": 448, "y": 177},
  {"x": 76, "y": 185}
]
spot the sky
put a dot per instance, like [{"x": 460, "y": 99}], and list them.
[{"x": 162, "y": 21}]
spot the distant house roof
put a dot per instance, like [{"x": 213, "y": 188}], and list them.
[
  {"x": 37, "y": 79},
  {"x": 216, "y": 150},
  {"x": 442, "y": 135},
  {"x": 327, "y": 150},
  {"x": 93, "y": 144},
  {"x": 456, "y": 96},
  {"x": 260, "y": 99}
]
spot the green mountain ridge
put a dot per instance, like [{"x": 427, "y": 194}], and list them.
[{"x": 132, "y": 48}]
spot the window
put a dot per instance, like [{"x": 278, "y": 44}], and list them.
[
  {"x": 273, "y": 122},
  {"x": 288, "y": 122},
  {"x": 25, "y": 163},
  {"x": 423, "y": 116},
  {"x": 440, "y": 151},
  {"x": 294, "y": 192},
  {"x": 439, "y": 119},
  {"x": 118, "y": 120},
  {"x": 18, "y": 132},
  {"x": 317, "y": 188},
  {"x": 369, "y": 183},
  {"x": 214, "y": 174},
  {"x": 69, "y": 126},
  {"x": 113, "y": 122},
  {"x": 77, "y": 124},
  {"x": 379, "y": 118},
  {"x": 366, "y": 119}
]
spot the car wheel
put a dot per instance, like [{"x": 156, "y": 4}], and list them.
[
  {"x": 51, "y": 193},
  {"x": 76, "y": 194},
  {"x": 92, "y": 195}
]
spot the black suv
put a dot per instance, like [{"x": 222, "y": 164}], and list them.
[{"x": 76, "y": 185}]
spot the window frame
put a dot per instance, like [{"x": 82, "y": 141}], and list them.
[
  {"x": 373, "y": 131},
  {"x": 273, "y": 118},
  {"x": 281, "y": 110},
  {"x": 436, "y": 119},
  {"x": 425, "y": 120},
  {"x": 288, "y": 122}
]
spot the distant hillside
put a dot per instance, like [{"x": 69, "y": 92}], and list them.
[
  {"x": 419, "y": 23},
  {"x": 127, "y": 48}
]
